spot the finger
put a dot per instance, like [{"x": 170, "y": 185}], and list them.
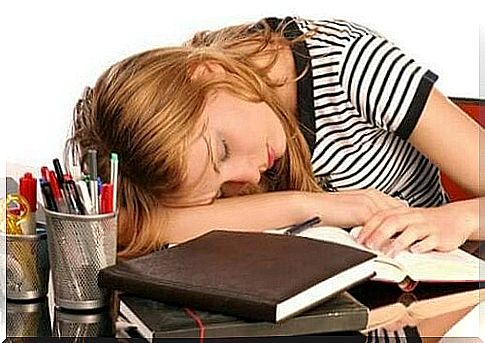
[
  {"x": 376, "y": 222},
  {"x": 370, "y": 227},
  {"x": 408, "y": 237},
  {"x": 389, "y": 228},
  {"x": 427, "y": 244}
]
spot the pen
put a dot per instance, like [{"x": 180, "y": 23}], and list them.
[
  {"x": 84, "y": 193},
  {"x": 106, "y": 203},
  {"x": 297, "y": 228},
  {"x": 46, "y": 190},
  {"x": 93, "y": 178},
  {"x": 28, "y": 189},
  {"x": 44, "y": 172},
  {"x": 78, "y": 205},
  {"x": 59, "y": 172},
  {"x": 56, "y": 192},
  {"x": 62, "y": 186},
  {"x": 114, "y": 177},
  {"x": 71, "y": 204}
]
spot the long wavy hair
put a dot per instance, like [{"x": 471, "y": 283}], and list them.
[{"x": 148, "y": 108}]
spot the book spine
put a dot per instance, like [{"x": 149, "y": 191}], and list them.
[{"x": 240, "y": 306}]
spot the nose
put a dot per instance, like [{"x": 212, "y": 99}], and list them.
[{"x": 246, "y": 171}]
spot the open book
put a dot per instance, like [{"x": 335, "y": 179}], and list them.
[{"x": 452, "y": 266}]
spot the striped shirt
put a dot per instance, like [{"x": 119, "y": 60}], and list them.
[{"x": 358, "y": 104}]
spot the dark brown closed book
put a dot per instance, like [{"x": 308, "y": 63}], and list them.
[
  {"x": 253, "y": 275},
  {"x": 155, "y": 319}
]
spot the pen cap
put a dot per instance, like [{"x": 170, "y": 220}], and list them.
[
  {"x": 107, "y": 198},
  {"x": 28, "y": 189},
  {"x": 44, "y": 172}
]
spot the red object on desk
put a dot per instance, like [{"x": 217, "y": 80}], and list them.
[
  {"x": 28, "y": 189},
  {"x": 54, "y": 185},
  {"x": 106, "y": 205}
]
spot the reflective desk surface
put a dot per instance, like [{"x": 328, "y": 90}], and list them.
[{"x": 431, "y": 308}]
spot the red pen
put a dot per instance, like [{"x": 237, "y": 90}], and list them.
[
  {"x": 56, "y": 192},
  {"x": 106, "y": 205},
  {"x": 44, "y": 171},
  {"x": 28, "y": 189}
]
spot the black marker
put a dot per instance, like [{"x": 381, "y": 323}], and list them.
[
  {"x": 46, "y": 190},
  {"x": 297, "y": 228},
  {"x": 78, "y": 205},
  {"x": 59, "y": 172}
]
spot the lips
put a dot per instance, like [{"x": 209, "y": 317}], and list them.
[{"x": 271, "y": 157}]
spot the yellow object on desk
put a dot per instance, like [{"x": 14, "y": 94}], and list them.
[
  {"x": 21, "y": 259},
  {"x": 16, "y": 223}
]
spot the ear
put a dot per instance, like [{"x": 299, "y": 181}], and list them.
[{"x": 206, "y": 69}]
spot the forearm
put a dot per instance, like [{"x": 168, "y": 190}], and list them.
[
  {"x": 244, "y": 213},
  {"x": 276, "y": 209}
]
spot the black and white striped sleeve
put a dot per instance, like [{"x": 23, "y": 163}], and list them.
[{"x": 387, "y": 87}]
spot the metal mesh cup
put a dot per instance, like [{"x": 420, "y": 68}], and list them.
[
  {"x": 27, "y": 266},
  {"x": 79, "y": 247}
]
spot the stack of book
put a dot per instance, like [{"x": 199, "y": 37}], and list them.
[
  {"x": 243, "y": 284},
  {"x": 246, "y": 284}
]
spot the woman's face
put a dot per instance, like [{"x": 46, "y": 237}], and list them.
[{"x": 245, "y": 139}]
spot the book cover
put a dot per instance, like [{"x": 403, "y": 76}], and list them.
[
  {"x": 155, "y": 319},
  {"x": 253, "y": 275}
]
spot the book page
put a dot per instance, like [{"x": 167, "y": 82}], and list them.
[{"x": 456, "y": 265}]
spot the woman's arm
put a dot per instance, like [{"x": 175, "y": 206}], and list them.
[
  {"x": 449, "y": 138},
  {"x": 276, "y": 209}
]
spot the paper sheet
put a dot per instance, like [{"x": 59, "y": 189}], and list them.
[{"x": 472, "y": 325}]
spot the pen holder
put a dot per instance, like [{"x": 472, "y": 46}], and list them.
[
  {"x": 79, "y": 247},
  {"x": 27, "y": 263}
]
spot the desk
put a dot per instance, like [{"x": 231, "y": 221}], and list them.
[{"x": 41, "y": 319}]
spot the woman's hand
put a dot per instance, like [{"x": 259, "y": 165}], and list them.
[{"x": 421, "y": 229}]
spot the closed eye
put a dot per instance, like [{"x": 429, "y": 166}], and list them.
[{"x": 226, "y": 152}]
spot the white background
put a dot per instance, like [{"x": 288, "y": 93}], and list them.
[{"x": 52, "y": 49}]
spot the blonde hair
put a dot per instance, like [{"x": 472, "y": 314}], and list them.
[{"x": 148, "y": 108}]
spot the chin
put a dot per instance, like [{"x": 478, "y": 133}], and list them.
[{"x": 244, "y": 190}]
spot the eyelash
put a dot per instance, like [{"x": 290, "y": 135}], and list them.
[{"x": 227, "y": 152}]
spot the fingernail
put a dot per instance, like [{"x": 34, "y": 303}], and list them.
[{"x": 414, "y": 250}]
